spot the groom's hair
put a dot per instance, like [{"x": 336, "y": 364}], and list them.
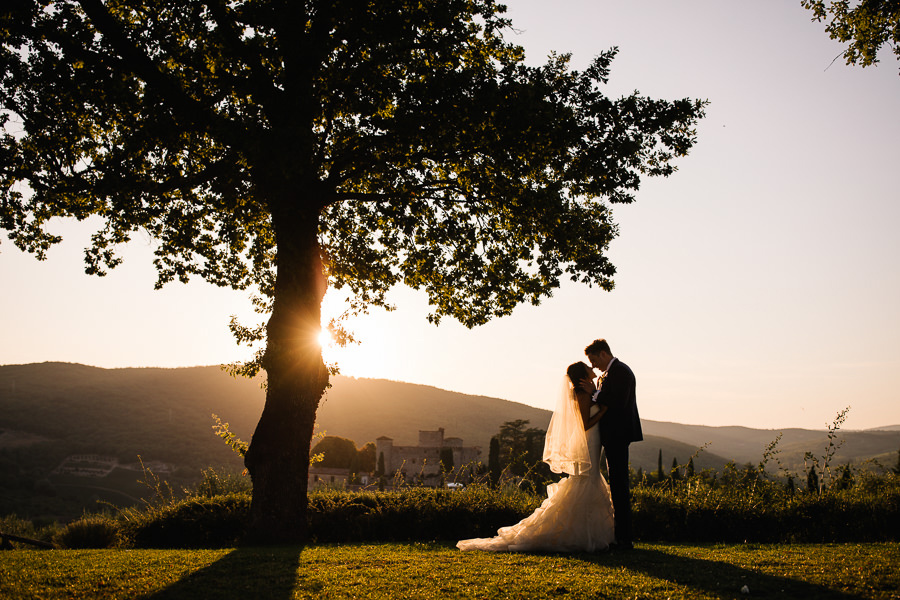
[{"x": 597, "y": 346}]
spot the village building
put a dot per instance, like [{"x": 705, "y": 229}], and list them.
[
  {"x": 422, "y": 463},
  {"x": 411, "y": 464}
]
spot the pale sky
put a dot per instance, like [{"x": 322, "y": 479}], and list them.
[{"x": 757, "y": 286}]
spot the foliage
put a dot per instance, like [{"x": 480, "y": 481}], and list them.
[
  {"x": 744, "y": 507},
  {"x": 494, "y": 467},
  {"x": 337, "y": 452},
  {"x": 232, "y": 441},
  {"x": 193, "y": 522},
  {"x": 217, "y": 482},
  {"x": 433, "y": 155},
  {"x": 812, "y": 480},
  {"x": 239, "y": 446},
  {"x": 834, "y": 444},
  {"x": 415, "y": 513},
  {"x": 867, "y": 26},
  {"x": 515, "y": 457},
  {"x": 811, "y": 462},
  {"x": 740, "y": 505},
  {"x": 446, "y": 460},
  {"x": 737, "y": 506},
  {"x": 14, "y": 525},
  {"x": 521, "y": 450},
  {"x": 91, "y": 531},
  {"x": 287, "y": 146},
  {"x": 212, "y": 514}
]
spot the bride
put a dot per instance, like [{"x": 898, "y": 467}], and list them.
[{"x": 577, "y": 515}]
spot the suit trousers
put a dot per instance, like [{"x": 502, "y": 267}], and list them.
[{"x": 619, "y": 487}]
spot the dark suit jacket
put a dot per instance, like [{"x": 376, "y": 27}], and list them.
[{"x": 621, "y": 424}]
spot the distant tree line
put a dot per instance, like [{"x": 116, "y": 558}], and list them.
[
  {"x": 516, "y": 454},
  {"x": 342, "y": 453}
]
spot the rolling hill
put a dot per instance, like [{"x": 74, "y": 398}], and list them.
[{"x": 52, "y": 410}]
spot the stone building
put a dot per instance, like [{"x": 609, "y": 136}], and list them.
[
  {"x": 336, "y": 478},
  {"x": 422, "y": 463}
]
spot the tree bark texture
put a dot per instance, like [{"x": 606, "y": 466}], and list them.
[{"x": 278, "y": 456}]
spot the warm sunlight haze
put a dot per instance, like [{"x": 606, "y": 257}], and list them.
[
  {"x": 324, "y": 339},
  {"x": 756, "y": 286}
]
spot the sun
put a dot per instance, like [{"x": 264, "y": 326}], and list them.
[{"x": 324, "y": 338}]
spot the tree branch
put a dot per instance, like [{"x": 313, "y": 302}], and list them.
[
  {"x": 191, "y": 110},
  {"x": 262, "y": 84}
]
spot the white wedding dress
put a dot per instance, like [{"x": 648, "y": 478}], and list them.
[{"x": 577, "y": 515}]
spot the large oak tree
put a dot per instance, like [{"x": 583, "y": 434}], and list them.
[
  {"x": 866, "y": 26},
  {"x": 283, "y": 146}
]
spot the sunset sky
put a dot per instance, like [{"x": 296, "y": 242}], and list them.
[{"x": 757, "y": 286}]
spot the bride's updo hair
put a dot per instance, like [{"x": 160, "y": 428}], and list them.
[{"x": 577, "y": 372}]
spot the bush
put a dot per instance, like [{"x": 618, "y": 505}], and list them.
[
  {"x": 412, "y": 514},
  {"x": 13, "y": 525},
  {"x": 91, "y": 531},
  {"x": 735, "y": 508},
  {"x": 698, "y": 510},
  {"x": 193, "y": 522},
  {"x": 415, "y": 513}
]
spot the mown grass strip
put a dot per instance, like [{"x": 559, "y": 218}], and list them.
[{"x": 440, "y": 571}]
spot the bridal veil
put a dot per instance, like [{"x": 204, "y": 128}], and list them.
[{"x": 565, "y": 445}]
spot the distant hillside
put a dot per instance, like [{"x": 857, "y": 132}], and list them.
[
  {"x": 364, "y": 409},
  {"x": 161, "y": 414},
  {"x": 164, "y": 414},
  {"x": 51, "y": 411},
  {"x": 743, "y": 445}
]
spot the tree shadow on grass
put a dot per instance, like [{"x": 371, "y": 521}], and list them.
[
  {"x": 721, "y": 579},
  {"x": 264, "y": 573}
]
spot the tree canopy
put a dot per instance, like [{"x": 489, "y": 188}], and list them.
[
  {"x": 867, "y": 26},
  {"x": 288, "y": 145}
]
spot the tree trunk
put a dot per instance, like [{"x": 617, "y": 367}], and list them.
[{"x": 278, "y": 456}]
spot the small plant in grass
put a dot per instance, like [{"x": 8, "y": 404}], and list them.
[{"x": 215, "y": 482}]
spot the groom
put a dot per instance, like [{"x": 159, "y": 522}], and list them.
[{"x": 620, "y": 426}]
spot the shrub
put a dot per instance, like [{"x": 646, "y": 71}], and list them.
[
  {"x": 13, "y": 525},
  {"x": 415, "y": 513},
  {"x": 765, "y": 511},
  {"x": 740, "y": 506},
  {"x": 91, "y": 531},
  {"x": 219, "y": 482},
  {"x": 193, "y": 522}
]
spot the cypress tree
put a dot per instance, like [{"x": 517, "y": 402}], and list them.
[
  {"x": 676, "y": 472},
  {"x": 812, "y": 480},
  {"x": 446, "y": 459}
]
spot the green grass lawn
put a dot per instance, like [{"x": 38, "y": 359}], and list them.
[{"x": 441, "y": 571}]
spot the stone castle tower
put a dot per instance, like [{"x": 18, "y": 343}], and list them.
[{"x": 423, "y": 461}]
